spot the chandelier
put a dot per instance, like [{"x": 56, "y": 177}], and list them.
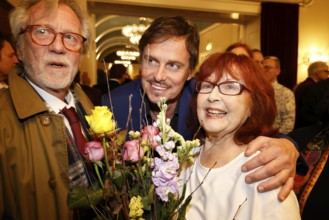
[
  {"x": 127, "y": 54},
  {"x": 135, "y": 31}
]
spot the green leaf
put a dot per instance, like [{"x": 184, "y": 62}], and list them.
[
  {"x": 171, "y": 204},
  {"x": 182, "y": 210},
  {"x": 121, "y": 137},
  {"x": 180, "y": 200},
  {"x": 118, "y": 178},
  {"x": 151, "y": 192},
  {"x": 146, "y": 203},
  {"x": 80, "y": 197},
  {"x": 99, "y": 163}
]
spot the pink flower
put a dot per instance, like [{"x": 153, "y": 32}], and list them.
[
  {"x": 149, "y": 134},
  {"x": 133, "y": 151},
  {"x": 94, "y": 151}
]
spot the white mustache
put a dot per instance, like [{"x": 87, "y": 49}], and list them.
[{"x": 57, "y": 60}]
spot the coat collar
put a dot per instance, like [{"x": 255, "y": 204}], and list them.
[{"x": 27, "y": 102}]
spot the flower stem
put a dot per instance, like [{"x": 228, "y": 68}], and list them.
[
  {"x": 105, "y": 155},
  {"x": 98, "y": 175}
]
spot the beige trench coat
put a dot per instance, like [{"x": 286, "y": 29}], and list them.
[{"x": 33, "y": 155}]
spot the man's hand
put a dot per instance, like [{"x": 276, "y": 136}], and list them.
[{"x": 278, "y": 156}]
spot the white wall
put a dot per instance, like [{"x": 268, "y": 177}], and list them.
[
  {"x": 223, "y": 35},
  {"x": 313, "y": 34},
  {"x": 220, "y": 36},
  {"x": 252, "y": 33}
]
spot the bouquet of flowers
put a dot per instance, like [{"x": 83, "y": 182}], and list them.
[{"x": 138, "y": 178}]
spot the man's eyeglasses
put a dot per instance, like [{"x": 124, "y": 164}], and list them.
[
  {"x": 44, "y": 36},
  {"x": 226, "y": 88}
]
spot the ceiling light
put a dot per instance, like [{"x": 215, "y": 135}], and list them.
[
  {"x": 128, "y": 58},
  {"x": 209, "y": 46},
  {"x": 127, "y": 53},
  {"x": 135, "y": 31},
  {"x": 123, "y": 62},
  {"x": 235, "y": 16}
]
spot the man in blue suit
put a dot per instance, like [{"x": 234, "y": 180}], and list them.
[{"x": 169, "y": 51}]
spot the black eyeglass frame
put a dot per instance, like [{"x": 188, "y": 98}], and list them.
[
  {"x": 29, "y": 29},
  {"x": 242, "y": 87}
]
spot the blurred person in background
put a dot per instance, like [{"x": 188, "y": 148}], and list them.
[
  {"x": 239, "y": 48},
  {"x": 117, "y": 76},
  {"x": 8, "y": 59},
  {"x": 284, "y": 97},
  {"x": 317, "y": 72},
  {"x": 258, "y": 56}
]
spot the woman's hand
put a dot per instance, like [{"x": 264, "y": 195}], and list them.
[{"x": 278, "y": 157}]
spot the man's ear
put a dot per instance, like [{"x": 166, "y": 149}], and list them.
[
  {"x": 141, "y": 66},
  {"x": 190, "y": 75}
]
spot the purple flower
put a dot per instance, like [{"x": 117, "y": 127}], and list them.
[
  {"x": 164, "y": 177},
  {"x": 165, "y": 169},
  {"x": 170, "y": 145},
  {"x": 163, "y": 191},
  {"x": 164, "y": 154}
]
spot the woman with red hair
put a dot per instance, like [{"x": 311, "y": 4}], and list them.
[{"x": 234, "y": 104}]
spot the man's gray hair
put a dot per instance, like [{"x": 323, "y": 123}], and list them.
[
  {"x": 19, "y": 16},
  {"x": 316, "y": 67}
]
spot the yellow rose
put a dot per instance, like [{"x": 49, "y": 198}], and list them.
[
  {"x": 136, "y": 207},
  {"x": 100, "y": 121}
]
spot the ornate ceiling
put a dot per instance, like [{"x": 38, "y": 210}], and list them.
[{"x": 111, "y": 15}]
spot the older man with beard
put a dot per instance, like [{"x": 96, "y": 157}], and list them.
[{"x": 39, "y": 157}]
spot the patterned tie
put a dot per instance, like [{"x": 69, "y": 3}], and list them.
[{"x": 79, "y": 138}]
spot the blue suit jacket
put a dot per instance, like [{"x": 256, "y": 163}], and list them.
[{"x": 120, "y": 103}]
